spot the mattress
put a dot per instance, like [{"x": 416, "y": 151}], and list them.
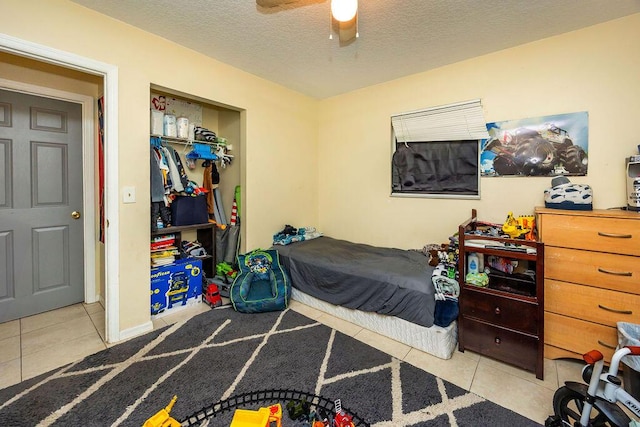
[
  {"x": 387, "y": 281},
  {"x": 437, "y": 341}
]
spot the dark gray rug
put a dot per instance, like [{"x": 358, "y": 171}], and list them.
[{"x": 221, "y": 354}]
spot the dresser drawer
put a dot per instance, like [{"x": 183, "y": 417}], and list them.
[
  {"x": 618, "y": 272},
  {"x": 511, "y": 347},
  {"x": 579, "y": 336},
  {"x": 597, "y": 233},
  {"x": 592, "y": 304},
  {"x": 501, "y": 311}
]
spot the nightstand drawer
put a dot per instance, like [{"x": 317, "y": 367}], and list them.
[
  {"x": 579, "y": 336},
  {"x": 608, "y": 271},
  {"x": 501, "y": 311},
  {"x": 502, "y": 344},
  {"x": 592, "y": 304},
  {"x": 603, "y": 234}
]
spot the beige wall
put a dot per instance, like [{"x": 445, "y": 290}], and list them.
[
  {"x": 596, "y": 70},
  {"x": 278, "y": 140},
  {"x": 342, "y": 185}
]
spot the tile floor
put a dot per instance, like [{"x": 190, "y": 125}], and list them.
[{"x": 37, "y": 344}]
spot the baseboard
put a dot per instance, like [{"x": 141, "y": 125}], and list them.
[{"x": 136, "y": 330}]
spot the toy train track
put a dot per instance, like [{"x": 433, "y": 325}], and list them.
[{"x": 266, "y": 396}]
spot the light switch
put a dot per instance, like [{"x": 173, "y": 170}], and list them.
[{"x": 128, "y": 194}]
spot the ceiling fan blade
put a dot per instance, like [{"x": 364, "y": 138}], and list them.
[{"x": 273, "y": 3}]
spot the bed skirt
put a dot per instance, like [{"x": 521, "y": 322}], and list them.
[{"x": 437, "y": 341}]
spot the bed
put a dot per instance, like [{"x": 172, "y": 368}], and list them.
[{"x": 386, "y": 290}]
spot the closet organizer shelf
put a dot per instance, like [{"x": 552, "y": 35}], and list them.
[
  {"x": 206, "y": 237},
  {"x": 185, "y": 141},
  {"x": 503, "y": 320}
]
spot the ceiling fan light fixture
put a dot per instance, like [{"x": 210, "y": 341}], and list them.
[{"x": 344, "y": 10}]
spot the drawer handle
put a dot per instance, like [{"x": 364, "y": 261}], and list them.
[
  {"x": 613, "y": 347},
  {"x": 615, "y": 273},
  {"x": 604, "y": 307},
  {"x": 498, "y": 340},
  {"x": 497, "y": 311},
  {"x": 615, "y": 235}
]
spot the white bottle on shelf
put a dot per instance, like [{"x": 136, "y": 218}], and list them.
[{"x": 473, "y": 263}]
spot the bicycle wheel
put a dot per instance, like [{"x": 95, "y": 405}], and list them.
[{"x": 568, "y": 404}]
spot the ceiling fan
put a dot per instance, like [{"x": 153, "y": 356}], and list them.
[
  {"x": 276, "y": 3},
  {"x": 344, "y": 15}
]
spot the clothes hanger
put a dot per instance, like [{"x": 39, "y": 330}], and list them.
[{"x": 201, "y": 151}]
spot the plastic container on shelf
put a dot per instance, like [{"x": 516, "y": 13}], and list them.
[
  {"x": 182, "y": 124},
  {"x": 157, "y": 122},
  {"x": 170, "y": 126}
]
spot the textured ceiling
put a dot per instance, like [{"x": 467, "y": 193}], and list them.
[{"x": 290, "y": 44}]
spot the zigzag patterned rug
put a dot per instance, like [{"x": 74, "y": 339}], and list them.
[{"x": 220, "y": 354}]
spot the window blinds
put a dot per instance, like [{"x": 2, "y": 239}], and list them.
[{"x": 453, "y": 122}]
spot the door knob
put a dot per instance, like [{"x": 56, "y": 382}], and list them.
[{"x": 75, "y": 214}]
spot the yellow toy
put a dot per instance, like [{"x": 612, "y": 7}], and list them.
[
  {"x": 517, "y": 228},
  {"x": 263, "y": 417},
  {"x": 162, "y": 417}
]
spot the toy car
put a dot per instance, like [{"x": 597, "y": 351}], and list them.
[{"x": 211, "y": 295}]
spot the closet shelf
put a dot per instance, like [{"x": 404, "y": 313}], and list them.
[
  {"x": 186, "y": 141},
  {"x": 180, "y": 228}
]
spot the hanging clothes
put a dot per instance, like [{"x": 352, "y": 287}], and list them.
[
  {"x": 176, "y": 183},
  {"x": 160, "y": 158},
  {"x": 215, "y": 175},
  {"x": 157, "y": 179},
  {"x": 158, "y": 190},
  {"x": 182, "y": 174},
  {"x": 208, "y": 186}
]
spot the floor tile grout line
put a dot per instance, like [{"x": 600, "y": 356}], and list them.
[
  {"x": 94, "y": 325},
  {"x": 92, "y": 333},
  {"x": 22, "y": 355},
  {"x": 475, "y": 372}
]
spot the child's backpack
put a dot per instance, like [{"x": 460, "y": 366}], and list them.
[{"x": 262, "y": 284}]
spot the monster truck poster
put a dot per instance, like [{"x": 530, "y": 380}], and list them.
[{"x": 541, "y": 146}]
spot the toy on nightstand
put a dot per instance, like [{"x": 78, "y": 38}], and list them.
[
  {"x": 521, "y": 227},
  {"x": 162, "y": 417}
]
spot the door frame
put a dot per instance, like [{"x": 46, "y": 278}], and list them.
[
  {"x": 109, "y": 73},
  {"x": 88, "y": 171}
]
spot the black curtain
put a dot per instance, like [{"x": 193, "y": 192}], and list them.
[{"x": 439, "y": 167}]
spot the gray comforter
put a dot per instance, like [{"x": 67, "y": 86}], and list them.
[{"x": 388, "y": 281}]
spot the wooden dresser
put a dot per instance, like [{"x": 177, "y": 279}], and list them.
[{"x": 591, "y": 278}]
